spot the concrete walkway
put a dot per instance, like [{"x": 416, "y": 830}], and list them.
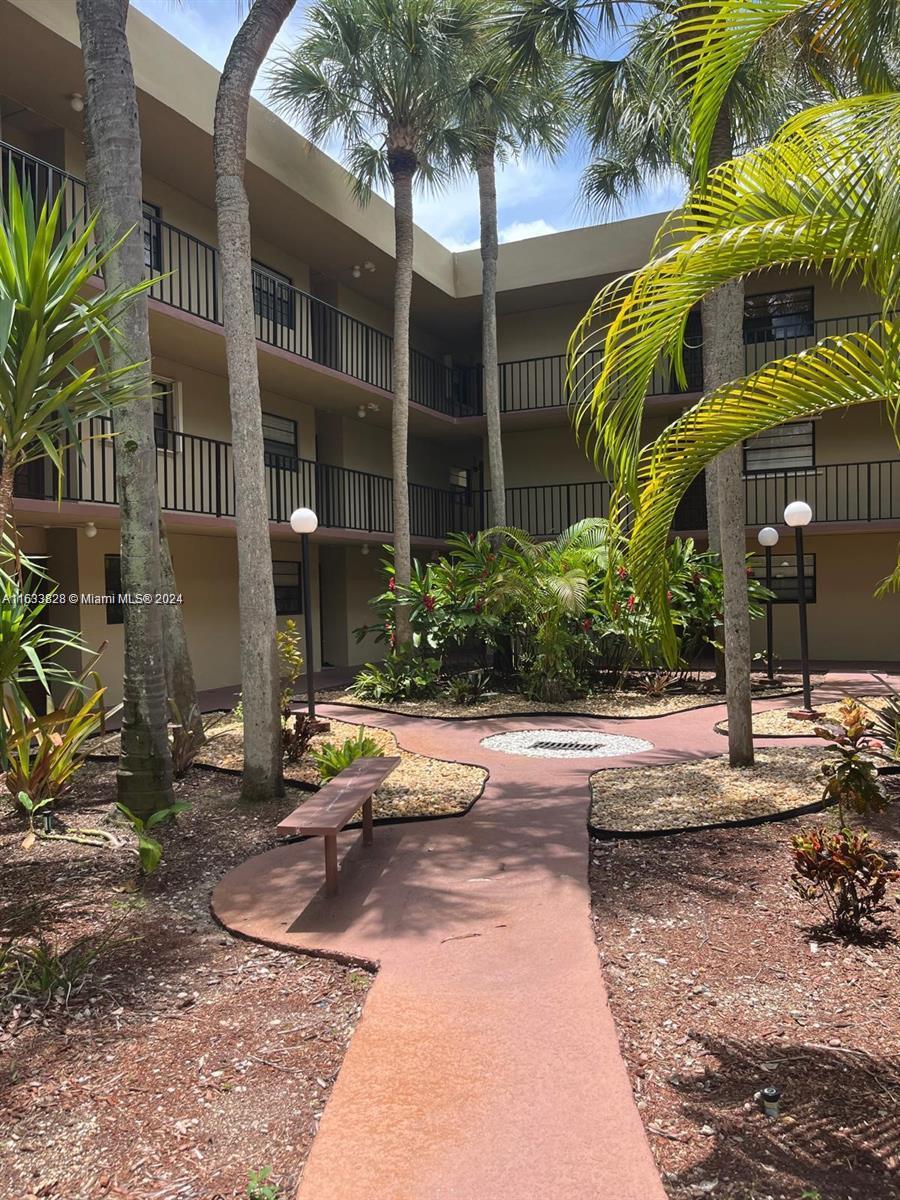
[{"x": 486, "y": 1063}]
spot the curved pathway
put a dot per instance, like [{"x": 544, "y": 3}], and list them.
[{"x": 486, "y": 1062}]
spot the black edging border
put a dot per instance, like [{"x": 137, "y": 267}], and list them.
[
  {"x": 397, "y": 712},
  {"x": 625, "y": 835}
]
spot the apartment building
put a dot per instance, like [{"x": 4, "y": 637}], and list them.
[{"x": 322, "y": 294}]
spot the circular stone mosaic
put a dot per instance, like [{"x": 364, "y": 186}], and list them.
[{"x": 565, "y": 743}]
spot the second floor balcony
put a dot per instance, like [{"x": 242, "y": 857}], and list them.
[{"x": 196, "y": 477}]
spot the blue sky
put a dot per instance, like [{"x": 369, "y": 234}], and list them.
[{"x": 534, "y": 197}]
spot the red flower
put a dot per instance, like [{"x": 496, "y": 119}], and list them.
[
  {"x": 750, "y": 572},
  {"x": 393, "y": 640},
  {"x": 479, "y": 605},
  {"x": 695, "y": 578},
  {"x": 586, "y": 624},
  {"x": 632, "y": 600},
  {"x": 669, "y": 597},
  {"x": 392, "y": 583},
  {"x": 622, "y": 573},
  {"x": 428, "y": 601}
]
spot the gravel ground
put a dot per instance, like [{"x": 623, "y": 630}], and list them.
[
  {"x": 778, "y": 723},
  {"x": 419, "y": 786},
  {"x": 719, "y": 987},
  {"x": 189, "y": 1057},
  {"x": 622, "y": 703},
  {"x": 705, "y": 792},
  {"x": 564, "y": 743}
]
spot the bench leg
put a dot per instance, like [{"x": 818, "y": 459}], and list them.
[
  {"x": 367, "y": 823},
  {"x": 331, "y": 865}
]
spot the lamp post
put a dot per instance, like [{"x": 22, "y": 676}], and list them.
[
  {"x": 768, "y": 538},
  {"x": 798, "y": 515},
  {"x": 304, "y": 521}
]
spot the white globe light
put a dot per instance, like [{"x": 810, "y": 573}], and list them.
[
  {"x": 767, "y": 536},
  {"x": 797, "y": 513},
  {"x": 304, "y": 520}
]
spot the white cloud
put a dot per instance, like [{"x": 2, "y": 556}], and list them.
[{"x": 519, "y": 230}]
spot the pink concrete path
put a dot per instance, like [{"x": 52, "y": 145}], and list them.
[{"x": 486, "y": 1062}]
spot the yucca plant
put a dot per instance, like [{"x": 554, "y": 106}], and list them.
[{"x": 55, "y": 329}]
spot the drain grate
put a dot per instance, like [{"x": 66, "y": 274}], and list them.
[{"x": 582, "y": 747}]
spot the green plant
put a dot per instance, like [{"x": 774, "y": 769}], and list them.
[
  {"x": 259, "y": 1187},
  {"x": 469, "y": 687},
  {"x": 186, "y": 736},
  {"x": 295, "y": 738},
  {"x": 885, "y": 720},
  {"x": 842, "y": 870},
  {"x": 852, "y": 781},
  {"x": 149, "y": 849},
  {"x": 290, "y": 659},
  {"x": 332, "y": 758},
  {"x": 37, "y": 970},
  {"x": 404, "y": 675}
]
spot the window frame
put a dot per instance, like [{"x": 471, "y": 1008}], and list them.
[
  {"x": 748, "y": 449},
  {"x": 269, "y": 307},
  {"x": 802, "y": 327},
  {"x": 152, "y": 215},
  {"x": 757, "y": 563},
  {"x": 115, "y": 612},
  {"x": 171, "y": 444},
  {"x": 269, "y": 454},
  {"x": 281, "y": 610}
]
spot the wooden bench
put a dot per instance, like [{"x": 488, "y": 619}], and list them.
[{"x": 328, "y": 812}]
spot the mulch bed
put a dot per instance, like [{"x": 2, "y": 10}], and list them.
[
  {"x": 613, "y": 703},
  {"x": 705, "y": 792},
  {"x": 719, "y": 987},
  {"x": 418, "y": 787},
  {"x": 188, "y": 1058}
]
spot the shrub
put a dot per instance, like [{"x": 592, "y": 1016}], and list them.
[
  {"x": 402, "y": 676},
  {"x": 43, "y": 753},
  {"x": 295, "y": 738},
  {"x": 886, "y": 723},
  {"x": 290, "y": 659},
  {"x": 469, "y": 687},
  {"x": 843, "y": 871},
  {"x": 852, "y": 780},
  {"x": 331, "y": 758}
]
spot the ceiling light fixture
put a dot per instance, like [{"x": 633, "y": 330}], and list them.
[
  {"x": 76, "y": 102},
  {"x": 356, "y": 272}
]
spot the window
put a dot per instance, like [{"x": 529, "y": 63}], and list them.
[
  {"x": 460, "y": 479},
  {"x": 785, "y": 586},
  {"x": 279, "y": 439},
  {"x": 288, "y": 588},
  {"x": 785, "y": 448},
  {"x": 273, "y": 295},
  {"x": 152, "y": 238},
  {"x": 112, "y": 586},
  {"x": 778, "y": 315},
  {"x": 164, "y": 413}
]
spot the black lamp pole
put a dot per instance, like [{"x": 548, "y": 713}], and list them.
[
  {"x": 770, "y": 658},
  {"x": 804, "y": 639}
]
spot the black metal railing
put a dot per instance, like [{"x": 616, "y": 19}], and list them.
[{"x": 836, "y": 492}]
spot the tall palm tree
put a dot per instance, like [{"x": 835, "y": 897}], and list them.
[
  {"x": 502, "y": 113},
  {"x": 260, "y": 685},
  {"x": 378, "y": 73},
  {"x": 113, "y": 146},
  {"x": 637, "y": 121},
  {"x": 824, "y": 195}
]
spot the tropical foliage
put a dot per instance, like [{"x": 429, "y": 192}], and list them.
[{"x": 333, "y": 757}]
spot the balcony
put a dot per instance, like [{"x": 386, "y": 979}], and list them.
[
  {"x": 196, "y": 476},
  {"x": 188, "y": 278}
]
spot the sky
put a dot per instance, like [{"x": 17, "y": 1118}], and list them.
[{"x": 534, "y": 197}]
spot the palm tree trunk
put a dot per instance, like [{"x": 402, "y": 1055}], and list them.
[
  {"x": 485, "y": 168},
  {"x": 113, "y": 145},
  {"x": 7, "y": 479},
  {"x": 402, "y": 169},
  {"x": 723, "y": 360},
  {"x": 262, "y": 776}
]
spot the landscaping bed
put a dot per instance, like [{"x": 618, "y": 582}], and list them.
[
  {"x": 419, "y": 787},
  {"x": 778, "y": 722},
  {"x": 719, "y": 988},
  {"x": 705, "y": 792},
  {"x": 188, "y": 1058},
  {"x": 618, "y": 703}
]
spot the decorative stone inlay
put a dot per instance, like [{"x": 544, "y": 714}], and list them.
[{"x": 565, "y": 743}]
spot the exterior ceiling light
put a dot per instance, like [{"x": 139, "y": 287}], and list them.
[{"x": 76, "y": 102}]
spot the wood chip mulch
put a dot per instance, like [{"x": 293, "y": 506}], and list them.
[
  {"x": 719, "y": 987},
  {"x": 188, "y": 1058},
  {"x": 705, "y": 792},
  {"x": 613, "y": 703}
]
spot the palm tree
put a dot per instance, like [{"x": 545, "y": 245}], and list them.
[
  {"x": 113, "y": 147},
  {"x": 260, "y": 684},
  {"x": 503, "y": 113},
  {"x": 378, "y": 73},
  {"x": 823, "y": 195}
]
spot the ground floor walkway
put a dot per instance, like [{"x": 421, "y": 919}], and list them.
[{"x": 486, "y": 1063}]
